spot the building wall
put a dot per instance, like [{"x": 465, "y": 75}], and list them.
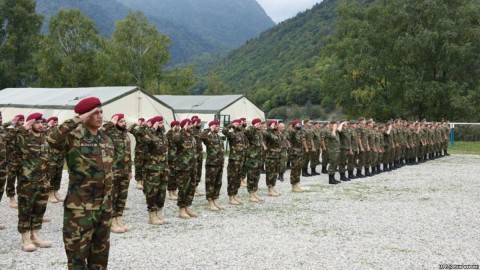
[{"x": 243, "y": 108}]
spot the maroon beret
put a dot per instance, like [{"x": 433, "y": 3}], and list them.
[
  {"x": 193, "y": 118},
  {"x": 236, "y": 121},
  {"x": 256, "y": 120},
  {"x": 272, "y": 122},
  {"x": 197, "y": 120},
  {"x": 156, "y": 119},
  {"x": 20, "y": 116},
  {"x": 44, "y": 120},
  {"x": 174, "y": 123},
  {"x": 54, "y": 118},
  {"x": 87, "y": 104},
  {"x": 149, "y": 120},
  {"x": 185, "y": 122},
  {"x": 34, "y": 116},
  {"x": 141, "y": 119},
  {"x": 243, "y": 119},
  {"x": 296, "y": 122},
  {"x": 120, "y": 116},
  {"x": 213, "y": 123}
]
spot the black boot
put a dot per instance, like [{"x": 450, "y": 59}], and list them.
[
  {"x": 314, "y": 171},
  {"x": 332, "y": 180},
  {"x": 262, "y": 170},
  {"x": 351, "y": 175},
  {"x": 374, "y": 170},
  {"x": 378, "y": 169},
  {"x": 305, "y": 173},
  {"x": 324, "y": 169},
  {"x": 367, "y": 171},
  {"x": 289, "y": 166},
  {"x": 343, "y": 177},
  {"x": 359, "y": 173},
  {"x": 280, "y": 177}
]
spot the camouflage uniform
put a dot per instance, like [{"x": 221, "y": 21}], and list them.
[
  {"x": 333, "y": 146},
  {"x": 88, "y": 204},
  {"x": 122, "y": 167},
  {"x": 185, "y": 167},
  {"x": 139, "y": 156},
  {"x": 297, "y": 140},
  {"x": 172, "y": 156},
  {"x": 317, "y": 143},
  {"x": 236, "y": 158},
  {"x": 199, "y": 154},
  {"x": 325, "y": 159},
  {"x": 345, "y": 147},
  {"x": 253, "y": 162},
  {"x": 362, "y": 157},
  {"x": 274, "y": 153},
  {"x": 284, "y": 153},
  {"x": 55, "y": 167},
  {"x": 309, "y": 157},
  {"x": 13, "y": 162},
  {"x": 155, "y": 166},
  {"x": 3, "y": 161},
  {"x": 352, "y": 159},
  {"x": 213, "y": 164},
  {"x": 33, "y": 185}
]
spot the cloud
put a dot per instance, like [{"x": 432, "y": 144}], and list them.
[{"x": 280, "y": 10}]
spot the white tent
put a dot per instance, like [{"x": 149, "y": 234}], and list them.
[
  {"x": 130, "y": 100},
  {"x": 226, "y": 108}
]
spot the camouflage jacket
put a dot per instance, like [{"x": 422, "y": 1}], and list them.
[
  {"x": 296, "y": 138},
  {"x": 3, "y": 147},
  {"x": 345, "y": 139},
  {"x": 354, "y": 139},
  {"x": 363, "y": 134},
  {"x": 13, "y": 156},
  {"x": 34, "y": 155},
  {"x": 198, "y": 137},
  {"x": 172, "y": 149},
  {"x": 274, "y": 144},
  {"x": 370, "y": 138},
  {"x": 254, "y": 151},
  {"x": 139, "y": 142},
  {"x": 156, "y": 148},
  {"x": 332, "y": 141},
  {"x": 122, "y": 159},
  {"x": 56, "y": 158},
  {"x": 90, "y": 161},
  {"x": 214, "y": 148},
  {"x": 238, "y": 144},
  {"x": 309, "y": 134},
  {"x": 186, "y": 154}
]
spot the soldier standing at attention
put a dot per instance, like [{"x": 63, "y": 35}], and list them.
[
  {"x": 185, "y": 170},
  {"x": 307, "y": 129},
  {"x": 56, "y": 163},
  {"x": 33, "y": 151},
  {"x": 172, "y": 157},
  {"x": 345, "y": 150},
  {"x": 274, "y": 150},
  {"x": 116, "y": 128},
  {"x": 317, "y": 143},
  {"x": 197, "y": 125},
  {"x": 253, "y": 162},
  {"x": 243, "y": 176},
  {"x": 363, "y": 146},
  {"x": 353, "y": 156},
  {"x": 3, "y": 162},
  {"x": 139, "y": 153},
  {"x": 88, "y": 205},
  {"x": 236, "y": 158},
  {"x": 323, "y": 131},
  {"x": 298, "y": 147},
  {"x": 13, "y": 162},
  {"x": 284, "y": 155},
  {"x": 213, "y": 164}
]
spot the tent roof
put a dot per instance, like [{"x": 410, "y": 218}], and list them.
[
  {"x": 61, "y": 98},
  {"x": 199, "y": 104}
]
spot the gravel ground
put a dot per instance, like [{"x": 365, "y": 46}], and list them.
[{"x": 416, "y": 217}]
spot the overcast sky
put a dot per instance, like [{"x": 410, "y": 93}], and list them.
[{"x": 280, "y": 10}]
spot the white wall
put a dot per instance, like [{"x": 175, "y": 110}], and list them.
[{"x": 243, "y": 108}]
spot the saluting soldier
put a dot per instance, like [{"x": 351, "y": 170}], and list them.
[
  {"x": 13, "y": 160},
  {"x": 332, "y": 140},
  {"x": 253, "y": 161},
  {"x": 353, "y": 156},
  {"x": 172, "y": 160},
  {"x": 298, "y": 147},
  {"x": 345, "y": 150},
  {"x": 139, "y": 153},
  {"x": 56, "y": 163},
  {"x": 274, "y": 151},
  {"x": 196, "y": 130},
  {"x": 3, "y": 162},
  {"x": 307, "y": 129}
]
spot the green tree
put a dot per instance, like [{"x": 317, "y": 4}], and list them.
[
  {"x": 215, "y": 86},
  {"x": 409, "y": 58},
  {"x": 19, "y": 36},
  {"x": 137, "y": 53},
  {"x": 71, "y": 53}
]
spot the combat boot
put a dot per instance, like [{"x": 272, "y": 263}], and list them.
[
  {"x": 271, "y": 192},
  {"x": 252, "y": 198},
  {"x": 314, "y": 172},
  {"x": 235, "y": 197},
  {"x": 324, "y": 169},
  {"x": 161, "y": 217},
  {"x": 258, "y": 197},
  {"x": 190, "y": 212},
  {"x": 46, "y": 219},
  {"x": 153, "y": 219},
  {"x": 2, "y": 227},
  {"x": 296, "y": 188},
  {"x": 198, "y": 192},
  {"x": 52, "y": 198},
  {"x": 276, "y": 191},
  {"x": 351, "y": 175},
  {"x": 280, "y": 177},
  {"x": 305, "y": 172},
  {"x": 115, "y": 227},
  {"x": 332, "y": 180},
  {"x": 126, "y": 228},
  {"x": 343, "y": 177},
  {"x": 212, "y": 206},
  {"x": 232, "y": 201},
  {"x": 367, "y": 171},
  {"x": 262, "y": 170},
  {"x": 289, "y": 165},
  {"x": 13, "y": 203},
  {"x": 218, "y": 205},
  {"x": 172, "y": 196},
  {"x": 139, "y": 185},
  {"x": 243, "y": 182},
  {"x": 182, "y": 213},
  {"x": 27, "y": 244},
  {"x": 38, "y": 242},
  {"x": 359, "y": 173},
  {"x": 59, "y": 198}
]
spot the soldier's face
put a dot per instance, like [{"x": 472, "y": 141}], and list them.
[
  {"x": 122, "y": 123},
  {"x": 54, "y": 123},
  {"x": 281, "y": 127},
  {"x": 37, "y": 127},
  {"x": 95, "y": 120},
  {"x": 214, "y": 128},
  {"x": 20, "y": 122}
]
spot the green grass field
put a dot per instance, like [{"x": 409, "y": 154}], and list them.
[{"x": 465, "y": 148}]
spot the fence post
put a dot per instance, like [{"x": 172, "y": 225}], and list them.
[{"x": 452, "y": 135}]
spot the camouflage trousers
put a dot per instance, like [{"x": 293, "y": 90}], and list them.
[
  {"x": 352, "y": 161},
  {"x": 155, "y": 187},
  {"x": 333, "y": 162},
  {"x": 139, "y": 168},
  {"x": 325, "y": 158},
  {"x": 374, "y": 159},
  {"x": 86, "y": 235},
  {"x": 119, "y": 192},
  {"x": 297, "y": 164},
  {"x": 213, "y": 181},
  {"x": 273, "y": 168},
  {"x": 283, "y": 161},
  {"x": 32, "y": 204},
  {"x": 342, "y": 160},
  {"x": 234, "y": 174},
  {"x": 55, "y": 176},
  {"x": 387, "y": 153},
  {"x": 362, "y": 157},
  {"x": 12, "y": 175},
  {"x": 3, "y": 178},
  {"x": 198, "y": 164},
  {"x": 310, "y": 157},
  {"x": 171, "y": 185},
  {"x": 186, "y": 186}
]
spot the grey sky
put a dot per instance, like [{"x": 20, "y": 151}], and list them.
[{"x": 280, "y": 10}]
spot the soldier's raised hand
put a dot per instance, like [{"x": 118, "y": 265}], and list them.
[
  {"x": 114, "y": 119},
  {"x": 28, "y": 125},
  {"x": 84, "y": 117}
]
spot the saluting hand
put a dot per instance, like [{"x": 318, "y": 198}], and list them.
[
  {"x": 84, "y": 117},
  {"x": 28, "y": 125},
  {"x": 114, "y": 119}
]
